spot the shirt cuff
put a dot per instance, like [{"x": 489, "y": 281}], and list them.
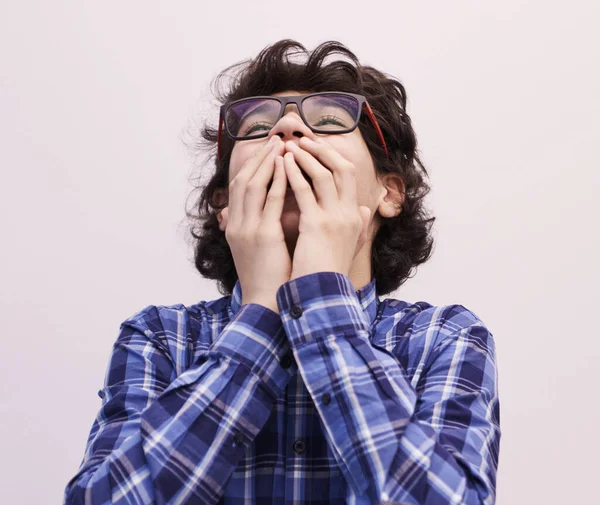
[
  {"x": 317, "y": 305},
  {"x": 256, "y": 338}
]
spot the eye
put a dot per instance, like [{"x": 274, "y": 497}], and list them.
[
  {"x": 329, "y": 119},
  {"x": 256, "y": 127}
]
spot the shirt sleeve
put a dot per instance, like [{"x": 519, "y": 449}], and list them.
[
  {"x": 165, "y": 439},
  {"x": 434, "y": 444}
]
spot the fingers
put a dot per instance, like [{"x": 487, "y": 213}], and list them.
[
  {"x": 300, "y": 186},
  {"x": 343, "y": 171},
  {"x": 256, "y": 188},
  {"x": 237, "y": 186},
  {"x": 322, "y": 179},
  {"x": 276, "y": 196}
]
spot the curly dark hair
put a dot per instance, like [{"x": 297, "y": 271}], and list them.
[{"x": 402, "y": 242}]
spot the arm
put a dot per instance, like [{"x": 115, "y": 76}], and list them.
[
  {"x": 164, "y": 439},
  {"x": 438, "y": 446}
]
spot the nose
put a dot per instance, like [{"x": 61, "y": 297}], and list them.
[{"x": 291, "y": 126}]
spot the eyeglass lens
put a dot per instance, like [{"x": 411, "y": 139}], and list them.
[{"x": 326, "y": 113}]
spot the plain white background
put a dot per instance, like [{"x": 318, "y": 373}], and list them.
[{"x": 96, "y": 99}]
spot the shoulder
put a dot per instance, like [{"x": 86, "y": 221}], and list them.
[
  {"x": 415, "y": 332},
  {"x": 422, "y": 317},
  {"x": 163, "y": 320},
  {"x": 180, "y": 328},
  {"x": 177, "y": 318}
]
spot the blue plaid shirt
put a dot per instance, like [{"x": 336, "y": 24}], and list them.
[{"x": 340, "y": 398}]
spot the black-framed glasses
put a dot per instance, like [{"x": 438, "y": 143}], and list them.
[{"x": 329, "y": 112}]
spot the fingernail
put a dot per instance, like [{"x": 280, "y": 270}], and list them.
[{"x": 273, "y": 139}]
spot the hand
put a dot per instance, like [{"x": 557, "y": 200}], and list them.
[
  {"x": 334, "y": 229},
  {"x": 253, "y": 228}
]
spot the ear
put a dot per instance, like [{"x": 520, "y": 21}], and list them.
[
  {"x": 393, "y": 194},
  {"x": 221, "y": 197},
  {"x": 222, "y": 218}
]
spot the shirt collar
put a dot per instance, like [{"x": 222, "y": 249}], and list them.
[{"x": 367, "y": 297}]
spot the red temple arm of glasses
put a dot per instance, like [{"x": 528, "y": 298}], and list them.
[
  {"x": 219, "y": 138},
  {"x": 377, "y": 129}
]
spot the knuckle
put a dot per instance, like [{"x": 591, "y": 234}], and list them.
[
  {"x": 273, "y": 196},
  {"x": 262, "y": 234},
  {"x": 324, "y": 176},
  {"x": 350, "y": 168},
  {"x": 234, "y": 233},
  {"x": 341, "y": 223},
  {"x": 235, "y": 182},
  {"x": 265, "y": 233},
  {"x": 321, "y": 222},
  {"x": 253, "y": 186},
  {"x": 246, "y": 234}
]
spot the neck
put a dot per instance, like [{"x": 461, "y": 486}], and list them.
[{"x": 360, "y": 270}]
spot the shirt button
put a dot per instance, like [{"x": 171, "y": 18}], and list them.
[
  {"x": 286, "y": 361},
  {"x": 326, "y": 398},
  {"x": 296, "y": 311},
  {"x": 239, "y": 438},
  {"x": 101, "y": 393},
  {"x": 299, "y": 446}
]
